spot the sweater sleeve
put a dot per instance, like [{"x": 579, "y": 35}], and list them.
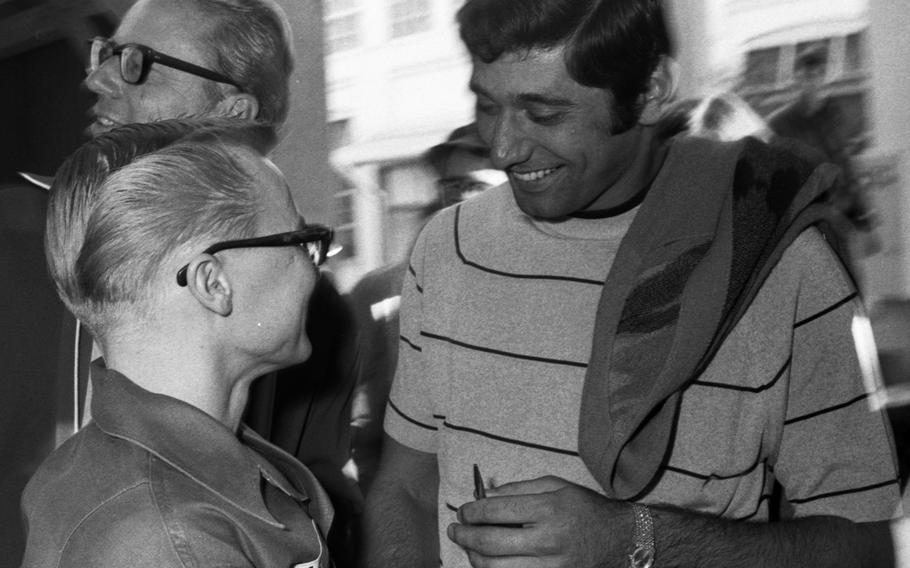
[
  {"x": 836, "y": 454},
  {"x": 409, "y": 416}
]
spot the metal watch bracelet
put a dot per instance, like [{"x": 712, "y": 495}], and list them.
[{"x": 643, "y": 538}]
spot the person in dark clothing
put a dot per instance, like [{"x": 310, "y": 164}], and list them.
[
  {"x": 462, "y": 167},
  {"x": 819, "y": 123}
]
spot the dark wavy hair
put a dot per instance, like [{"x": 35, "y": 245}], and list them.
[{"x": 610, "y": 44}]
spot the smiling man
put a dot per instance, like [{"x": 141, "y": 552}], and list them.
[
  {"x": 643, "y": 342},
  {"x": 174, "y": 58}
]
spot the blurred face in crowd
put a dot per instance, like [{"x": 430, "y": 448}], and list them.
[
  {"x": 171, "y": 27},
  {"x": 550, "y": 134}
]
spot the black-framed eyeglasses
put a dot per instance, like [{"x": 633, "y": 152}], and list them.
[
  {"x": 315, "y": 239},
  {"x": 136, "y": 60}
]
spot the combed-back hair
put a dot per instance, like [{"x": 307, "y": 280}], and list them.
[
  {"x": 252, "y": 44},
  {"x": 128, "y": 200},
  {"x": 610, "y": 44}
]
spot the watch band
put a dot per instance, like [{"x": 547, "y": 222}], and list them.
[{"x": 643, "y": 538}]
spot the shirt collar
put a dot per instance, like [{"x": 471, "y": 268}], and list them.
[{"x": 193, "y": 442}]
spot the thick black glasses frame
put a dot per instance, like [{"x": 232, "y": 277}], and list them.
[
  {"x": 312, "y": 234},
  {"x": 148, "y": 57}
]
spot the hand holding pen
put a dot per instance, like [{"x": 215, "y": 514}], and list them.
[{"x": 479, "y": 491}]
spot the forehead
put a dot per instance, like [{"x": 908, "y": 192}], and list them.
[
  {"x": 532, "y": 72},
  {"x": 173, "y": 27}
]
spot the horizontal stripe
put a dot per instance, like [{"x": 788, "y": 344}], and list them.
[
  {"x": 827, "y": 310},
  {"x": 757, "y": 509},
  {"x": 846, "y": 491},
  {"x": 503, "y": 353},
  {"x": 557, "y": 277},
  {"x": 409, "y": 342},
  {"x": 766, "y": 386},
  {"x": 714, "y": 476},
  {"x": 826, "y": 410},
  {"x": 513, "y": 441},
  {"x": 411, "y": 420}
]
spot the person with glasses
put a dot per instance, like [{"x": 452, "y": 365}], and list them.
[
  {"x": 178, "y": 244},
  {"x": 172, "y": 58},
  {"x": 233, "y": 58}
]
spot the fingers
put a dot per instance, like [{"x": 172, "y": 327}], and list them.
[
  {"x": 489, "y": 540},
  {"x": 539, "y": 485},
  {"x": 504, "y": 510},
  {"x": 480, "y": 561}
]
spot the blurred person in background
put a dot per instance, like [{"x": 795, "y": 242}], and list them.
[
  {"x": 463, "y": 170},
  {"x": 643, "y": 344},
  {"x": 820, "y": 123},
  {"x": 721, "y": 116},
  {"x": 178, "y": 245}
]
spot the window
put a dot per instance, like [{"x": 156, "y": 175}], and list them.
[
  {"x": 821, "y": 47},
  {"x": 342, "y": 25},
  {"x": 339, "y": 135},
  {"x": 345, "y": 226},
  {"x": 854, "y": 55},
  {"x": 762, "y": 67},
  {"x": 410, "y": 17}
]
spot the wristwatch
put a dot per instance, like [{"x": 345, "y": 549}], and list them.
[{"x": 643, "y": 538}]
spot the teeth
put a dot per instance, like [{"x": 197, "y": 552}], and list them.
[
  {"x": 104, "y": 121},
  {"x": 533, "y": 176}
]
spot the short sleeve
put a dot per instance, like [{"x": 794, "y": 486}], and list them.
[{"x": 836, "y": 455}]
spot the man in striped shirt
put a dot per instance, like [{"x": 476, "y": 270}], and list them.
[{"x": 644, "y": 343}]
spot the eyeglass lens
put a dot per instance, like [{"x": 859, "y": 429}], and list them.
[
  {"x": 131, "y": 63},
  {"x": 317, "y": 251},
  {"x": 132, "y": 59}
]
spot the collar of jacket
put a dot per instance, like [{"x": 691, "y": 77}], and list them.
[{"x": 191, "y": 441}]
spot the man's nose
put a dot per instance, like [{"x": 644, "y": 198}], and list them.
[
  {"x": 105, "y": 79},
  {"x": 510, "y": 143}
]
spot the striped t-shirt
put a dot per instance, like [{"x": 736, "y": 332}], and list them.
[{"x": 495, "y": 339}]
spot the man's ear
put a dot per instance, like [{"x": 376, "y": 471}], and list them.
[
  {"x": 240, "y": 105},
  {"x": 209, "y": 284},
  {"x": 661, "y": 89}
]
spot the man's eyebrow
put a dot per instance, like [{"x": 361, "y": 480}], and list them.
[
  {"x": 529, "y": 98},
  {"x": 539, "y": 99}
]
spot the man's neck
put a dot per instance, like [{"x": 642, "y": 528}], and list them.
[
  {"x": 181, "y": 368},
  {"x": 630, "y": 189}
]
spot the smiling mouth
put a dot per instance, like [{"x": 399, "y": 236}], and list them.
[{"x": 535, "y": 175}]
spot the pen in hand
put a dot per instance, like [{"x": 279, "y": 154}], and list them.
[{"x": 479, "y": 491}]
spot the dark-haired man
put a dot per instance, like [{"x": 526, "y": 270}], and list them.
[{"x": 643, "y": 343}]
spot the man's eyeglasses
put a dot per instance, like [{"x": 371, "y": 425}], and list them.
[
  {"x": 137, "y": 59},
  {"x": 315, "y": 239}
]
